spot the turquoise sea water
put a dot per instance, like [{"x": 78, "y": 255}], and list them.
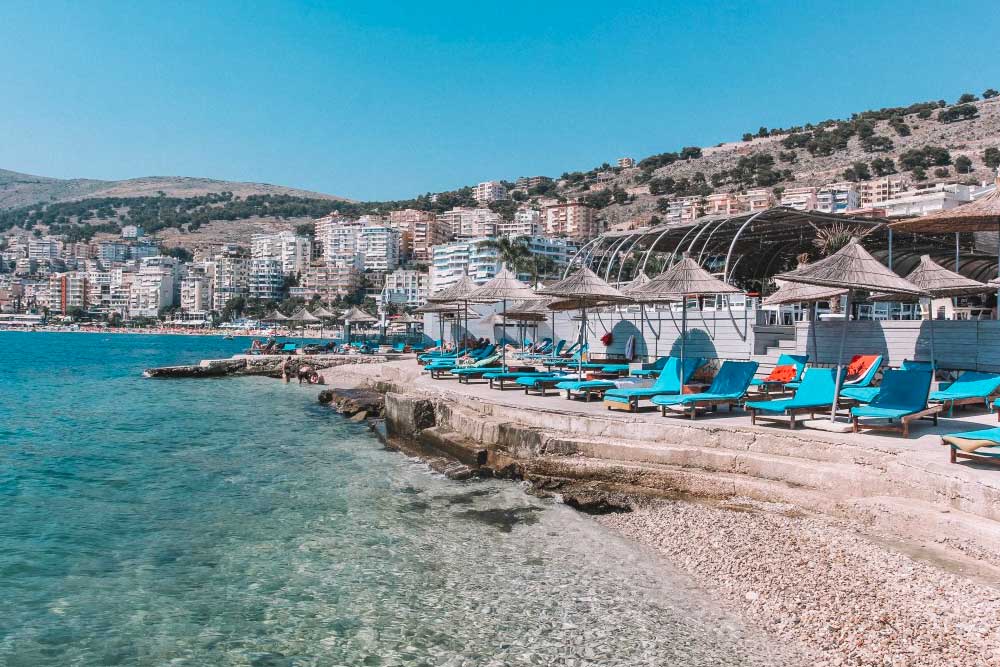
[{"x": 238, "y": 522}]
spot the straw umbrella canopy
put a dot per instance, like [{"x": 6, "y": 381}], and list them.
[
  {"x": 503, "y": 287},
  {"x": 682, "y": 280},
  {"x": 798, "y": 293},
  {"x": 525, "y": 314},
  {"x": 276, "y": 316},
  {"x": 940, "y": 283},
  {"x": 355, "y": 316},
  {"x": 851, "y": 268},
  {"x": 322, "y": 312},
  {"x": 580, "y": 291},
  {"x": 457, "y": 293},
  {"x": 303, "y": 315},
  {"x": 981, "y": 215}
]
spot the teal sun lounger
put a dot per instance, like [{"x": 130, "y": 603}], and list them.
[
  {"x": 971, "y": 388},
  {"x": 498, "y": 378},
  {"x": 728, "y": 387},
  {"x": 901, "y": 400},
  {"x": 981, "y": 446},
  {"x": 667, "y": 383},
  {"x": 814, "y": 394}
]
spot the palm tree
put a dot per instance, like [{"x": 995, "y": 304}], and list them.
[
  {"x": 509, "y": 251},
  {"x": 833, "y": 238}
]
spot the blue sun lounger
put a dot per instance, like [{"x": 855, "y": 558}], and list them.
[
  {"x": 867, "y": 393},
  {"x": 728, "y": 387},
  {"x": 541, "y": 384},
  {"x": 667, "y": 383},
  {"x": 970, "y": 388},
  {"x": 901, "y": 400},
  {"x": 498, "y": 378},
  {"x": 981, "y": 446},
  {"x": 861, "y": 389},
  {"x": 814, "y": 394}
]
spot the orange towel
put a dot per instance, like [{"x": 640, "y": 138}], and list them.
[
  {"x": 860, "y": 364},
  {"x": 782, "y": 374}
]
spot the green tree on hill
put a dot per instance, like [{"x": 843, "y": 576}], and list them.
[
  {"x": 966, "y": 98},
  {"x": 963, "y": 165},
  {"x": 990, "y": 93},
  {"x": 991, "y": 157}
]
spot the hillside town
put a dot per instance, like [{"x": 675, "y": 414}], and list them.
[{"x": 395, "y": 259}]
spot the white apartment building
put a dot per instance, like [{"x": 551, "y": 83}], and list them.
[
  {"x": 379, "y": 248},
  {"x": 266, "y": 279},
  {"x": 419, "y": 232},
  {"x": 46, "y": 248},
  {"x": 571, "y": 219},
  {"x": 489, "y": 191},
  {"x": 683, "y": 209},
  {"x": 471, "y": 222},
  {"x": 626, "y": 162},
  {"x": 231, "y": 278},
  {"x": 937, "y": 197},
  {"x": 526, "y": 222},
  {"x": 336, "y": 235},
  {"x": 559, "y": 250},
  {"x": 68, "y": 291},
  {"x": 406, "y": 287},
  {"x": 293, "y": 252},
  {"x": 196, "y": 294},
  {"x": 450, "y": 261},
  {"x": 328, "y": 281},
  {"x": 800, "y": 199},
  {"x": 837, "y": 198},
  {"x": 112, "y": 252},
  {"x": 153, "y": 287},
  {"x": 133, "y": 232}
]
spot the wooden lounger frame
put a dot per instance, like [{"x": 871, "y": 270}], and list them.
[
  {"x": 587, "y": 393},
  {"x": 543, "y": 385},
  {"x": 903, "y": 425},
  {"x": 711, "y": 405},
  {"x": 957, "y": 454},
  {"x": 779, "y": 417}
]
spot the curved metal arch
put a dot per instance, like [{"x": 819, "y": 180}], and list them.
[
  {"x": 578, "y": 252},
  {"x": 673, "y": 255},
  {"x": 702, "y": 229},
  {"x": 600, "y": 262},
  {"x": 614, "y": 254},
  {"x": 708, "y": 239},
  {"x": 645, "y": 259},
  {"x": 732, "y": 244},
  {"x": 628, "y": 252}
]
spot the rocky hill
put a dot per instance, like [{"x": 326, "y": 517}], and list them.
[{"x": 17, "y": 190}]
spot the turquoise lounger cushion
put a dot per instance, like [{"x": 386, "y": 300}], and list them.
[
  {"x": 902, "y": 393},
  {"x": 534, "y": 381},
  {"x": 816, "y": 392},
  {"x": 730, "y": 383},
  {"x": 667, "y": 383},
  {"x": 970, "y": 384},
  {"x": 860, "y": 394},
  {"x": 614, "y": 368},
  {"x": 511, "y": 375},
  {"x": 581, "y": 385}
]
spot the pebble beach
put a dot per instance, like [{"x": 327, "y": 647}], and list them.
[{"x": 822, "y": 586}]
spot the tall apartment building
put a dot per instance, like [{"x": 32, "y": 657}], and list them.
[
  {"x": 527, "y": 182},
  {"x": 154, "y": 286},
  {"x": 879, "y": 190},
  {"x": 755, "y": 201},
  {"x": 337, "y": 236},
  {"x": 292, "y": 251},
  {"x": 379, "y": 248},
  {"x": 559, "y": 250},
  {"x": 266, "y": 279},
  {"x": 837, "y": 198},
  {"x": 626, "y": 162},
  {"x": 489, "y": 191},
  {"x": 451, "y": 261},
  {"x": 68, "y": 291},
  {"x": 930, "y": 199},
  {"x": 419, "y": 232},
  {"x": 112, "y": 252},
  {"x": 196, "y": 293},
  {"x": 471, "y": 222},
  {"x": 526, "y": 222},
  {"x": 328, "y": 281},
  {"x": 800, "y": 199},
  {"x": 571, "y": 219},
  {"x": 406, "y": 287},
  {"x": 230, "y": 278},
  {"x": 47, "y": 248},
  {"x": 683, "y": 209}
]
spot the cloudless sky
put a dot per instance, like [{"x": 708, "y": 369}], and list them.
[{"x": 380, "y": 100}]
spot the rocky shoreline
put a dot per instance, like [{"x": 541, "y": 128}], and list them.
[{"x": 827, "y": 586}]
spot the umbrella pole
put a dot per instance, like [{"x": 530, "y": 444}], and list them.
[
  {"x": 583, "y": 338},
  {"x": 998, "y": 268},
  {"x": 930, "y": 309},
  {"x": 684, "y": 331},
  {"x": 958, "y": 251},
  {"x": 840, "y": 358},
  {"x": 503, "y": 335},
  {"x": 813, "y": 332}
]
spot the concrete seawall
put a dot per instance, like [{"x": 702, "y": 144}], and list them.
[{"x": 601, "y": 459}]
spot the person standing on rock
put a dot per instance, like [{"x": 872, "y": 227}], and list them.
[{"x": 286, "y": 369}]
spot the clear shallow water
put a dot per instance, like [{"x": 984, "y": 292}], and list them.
[{"x": 237, "y": 522}]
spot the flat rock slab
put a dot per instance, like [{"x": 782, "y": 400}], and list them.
[
  {"x": 828, "y": 426},
  {"x": 354, "y": 401}
]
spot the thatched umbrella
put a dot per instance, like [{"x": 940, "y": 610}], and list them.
[
  {"x": 503, "y": 287},
  {"x": 526, "y": 313},
  {"x": 681, "y": 281},
  {"x": 322, "y": 312},
  {"x": 798, "y": 293},
  {"x": 981, "y": 215},
  {"x": 276, "y": 316},
  {"x": 355, "y": 316},
  {"x": 851, "y": 268},
  {"x": 444, "y": 311},
  {"x": 580, "y": 291},
  {"x": 940, "y": 283},
  {"x": 457, "y": 293}
]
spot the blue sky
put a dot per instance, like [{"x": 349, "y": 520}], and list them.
[{"x": 376, "y": 100}]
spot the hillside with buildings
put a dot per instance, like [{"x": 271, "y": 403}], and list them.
[{"x": 195, "y": 251}]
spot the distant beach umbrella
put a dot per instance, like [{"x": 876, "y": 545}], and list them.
[
  {"x": 355, "y": 316},
  {"x": 683, "y": 280},
  {"x": 457, "y": 293},
  {"x": 629, "y": 290},
  {"x": 276, "y": 316},
  {"x": 322, "y": 312},
  {"x": 579, "y": 291},
  {"x": 303, "y": 315},
  {"x": 502, "y": 287}
]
